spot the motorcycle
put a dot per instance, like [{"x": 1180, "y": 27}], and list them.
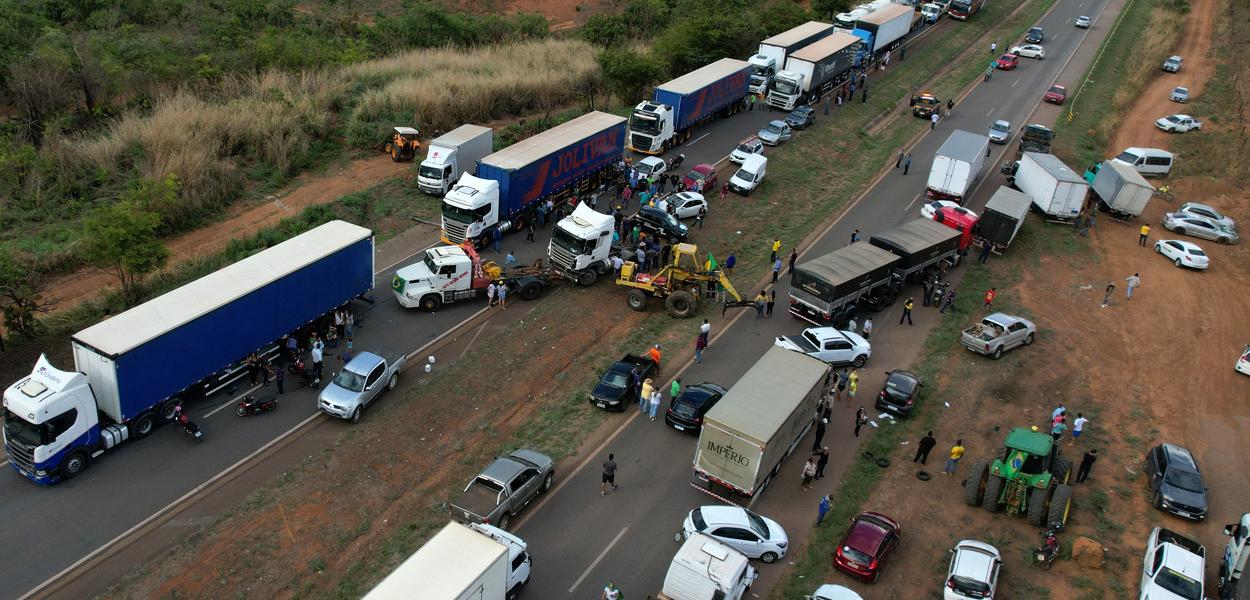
[
  {"x": 939, "y": 290},
  {"x": 1046, "y": 554},
  {"x": 676, "y": 162},
  {"x": 251, "y": 405},
  {"x": 304, "y": 371},
  {"x": 188, "y": 425}
]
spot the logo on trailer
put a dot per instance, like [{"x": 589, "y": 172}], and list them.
[
  {"x": 576, "y": 160},
  {"x": 717, "y": 92},
  {"x": 728, "y": 453}
]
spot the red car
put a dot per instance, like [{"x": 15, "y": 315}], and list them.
[
  {"x": 872, "y": 537},
  {"x": 702, "y": 174},
  {"x": 960, "y": 219},
  {"x": 1008, "y": 61},
  {"x": 1056, "y": 94}
]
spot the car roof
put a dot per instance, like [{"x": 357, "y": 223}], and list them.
[
  {"x": 1198, "y": 205},
  {"x": 974, "y": 560},
  {"x": 903, "y": 373},
  {"x": 1001, "y": 122},
  {"x": 715, "y": 514},
  {"x": 651, "y": 160},
  {"x": 1181, "y": 88},
  {"x": 504, "y": 468},
  {"x": 703, "y": 168},
  {"x": 777, "y": 122},
  {"x": 1187, "y": 245},
  {"x": 363, "y": 363},
  {"x": 866, "y": 533},
  {"x": 1180, "y": 456}
]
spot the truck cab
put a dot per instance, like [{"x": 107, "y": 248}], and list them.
[
  {"x": 931, "y": 12},
  {"x": 763, "y": 68},
  {"x": 581, "y": 244},
  {"x": 51, "y": 423},
  {"x": 1173, "y": 567},
  {"x": 446, "y": 274},
  {"x": 705, "y": 568},
  {"x": 651, "y": 128},
  {"x": 470, "y": 209},
  {"x": 749, "y": 176},
  {"x": 788, "y": 86},
  {"x": 1235, "y": 553},
  {"x": 452, "y": 155}
]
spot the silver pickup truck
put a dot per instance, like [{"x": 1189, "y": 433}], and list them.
[
  {"x": 998, "y": 333},
  {"x": 504, "y": 488},
  {"x": 360, "y": 382}
]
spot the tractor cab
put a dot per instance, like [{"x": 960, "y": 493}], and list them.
[{"x": 404, "y": 144}]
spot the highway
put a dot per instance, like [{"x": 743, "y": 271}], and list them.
[{"x": 581, "y": 540}]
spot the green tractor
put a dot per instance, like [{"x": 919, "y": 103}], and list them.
[{"x": 1028, "y": 477}]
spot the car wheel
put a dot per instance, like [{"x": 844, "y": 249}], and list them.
[
  {"x": 1223, "y": 240},
  {"x": 1179, "y": 230},
  {"x": 1028, "y": 339},
  {"x": 356, "y": 415},
  {"x": 859, "y": 361},
  {"x": 998, "y": 353},
  {"x": 1177, "y": 262},
  {"x": 393, "y": 381},
  {"x": 505, "y": 521},
  {"x": 551, "y": 477},
  {"x": 1159, "y": 248},
  {"x": 768, "y": 558}
]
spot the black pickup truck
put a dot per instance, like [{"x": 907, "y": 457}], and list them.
[{"x": 616, "y": 389}]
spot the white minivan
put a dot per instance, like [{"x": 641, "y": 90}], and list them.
[
  {"x": 1147, "y": 161},
  {"x": 750, "y": 175}
]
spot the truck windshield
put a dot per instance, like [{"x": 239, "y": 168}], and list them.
[
  {"x": 745, "y": 175},
  {"x": 430, "y": 172},
  {"x": 571, "y": 243},
  {"x": 1178, "y": 584},
  {"x": 17, "y": 428},
  {"x": 647, "y": 125},
  {"x": 352, "y": 382},
  {"x": 782, "y": 86},
  {"x": 464, "y": 215}
]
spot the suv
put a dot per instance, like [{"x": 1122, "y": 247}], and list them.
[
  {"x": 1035, "y": 35},
  {"x": 1176, "y": 482},
  {"x": 973, "y": 572},
  {"x": 661, "y": 224},
  {"x": 745, "y": 148},
  {"x": 1173, "y": 64},
  {"x": 503, "y": 488},
  {"x": 686, "y": 411}
]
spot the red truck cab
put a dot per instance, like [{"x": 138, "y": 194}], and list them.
[{"x": 960, "y": 219}]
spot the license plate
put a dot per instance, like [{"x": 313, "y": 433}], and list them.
[
  {"x": 601, "y": 405},
  {"x": 679, "y": 427},
  {"x": 1184, "y": 514}
]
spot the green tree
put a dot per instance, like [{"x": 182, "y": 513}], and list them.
[
  {"x": 646, "y": 17},
  {"x": 121, "y": 239},
  {"x": 22, "y": 286},
  {"x": 695, "y": 42},
  {"x": 829, "y": 8},
  {"x": 626, "y": 73},
  {"x": 781, "y": 15},
  {"x": 604, "y": 30}
]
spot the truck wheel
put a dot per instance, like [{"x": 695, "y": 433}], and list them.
[
  {"x": 168, "y": 410},
  {"x": 356, "y": 415},
  {"x": 393, "y": 381},
  {"x": 1039, "y": 505},
  {"x": 859, "y": 361},
  {"x": 74, "y": 464},
  {"x": 993, "y": 488},
  {"x": 551, "y": 477},
  {"x": 974, "y": 487},
  {"x": 505, "y": 521},
  {"x": 768, "y": 558},
  {"x": 998, "y": 353},
  {"x": 1028, "y": 339},
  {"x": 680, "y": 304},
  {"x": 1060, "y": 505},
  {"x": 431, "y": 302},
  {"x": 637, "y": 299},
  {"x": 585, "y": 277},
  {"x": 143, "y": 425},
  {"x": 532, "y": 291}
]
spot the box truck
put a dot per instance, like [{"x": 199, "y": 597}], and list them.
[
  {"x": 814, "y": 71},
  {"x": 131, "y": 370},
  {"x": 827, "y": 289},
  {"x": 957, "y": 166},
  {"x": 451, "y": 155},
  {"x": 1003, "y": 216},
  {"x": 920, "y": 245},
  {"x": 681, "y": 105},
  {"x": 707, "y": 569},
  {"x": 773, "y": 52},
  {"x": 759, "y": 422},
  {"x": 461, "y": 562},
  {"x": 569, "y": 159},
  {"x": 883, "y": 27},
  {"x": 1057, "y": 191},
  {"x": 1121, "y": 190}
]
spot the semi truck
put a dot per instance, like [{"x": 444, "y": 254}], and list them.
[
  {"x": 681, "y": 105},
  {"x": 1233, "y": 567},
  {"x": 581, "y": 245},
  {"x": 570, "y": 159},
  {"x": 759, "y": 422},
  {"x": 1057, "y": 191},
  {"x": 1120, "y": 189},
  {"x": 461, "y": 562},
  {"x": 133, "y": 369},
  {"x": 826, "y": 290},
  {"x": 849, "y": 19},
  {"x": 773, "y": 52},
  {"x": 707, "y": 569},
  {"x": 451, "y": 155},
  {"x": 448, "y": 274},
  {"x": 814, "y": 71},
  {"x": 1003, "y": 216},
  {"x": 964, "y": 9},
  {"x": 921, "y": 244},
  {"x": 957, "y": 167},
  {"x": 883, "y": 27}
]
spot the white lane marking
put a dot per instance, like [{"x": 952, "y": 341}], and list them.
[
  {"x": 230, "y": 402},
  {"x": 4, "y": 464},
  {"x": 913, "y": 201},
  {"x": 991, "y": 112},
  {"x": 1015, "y": 83},
  {"x": 696, "y": 140},
  {"x": 598, "y": 558}
]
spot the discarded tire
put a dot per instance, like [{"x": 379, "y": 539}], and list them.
[
  {"x": 923, "y": 475},
  {"x": 883, "y": 463},
  {"x": 868, "y": 455}
]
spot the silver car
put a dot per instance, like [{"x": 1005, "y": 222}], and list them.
[
  {"x": 1189, "y": 224},
  {"x": 1083, "y": 22},
  {"x": 359, "y": 383},
  {"x": 775, "y": 132},
  {"x": 1180, "y": 94},
  {"x": 1203, "y": 210},
  {"x": 1000, "y": 131}
]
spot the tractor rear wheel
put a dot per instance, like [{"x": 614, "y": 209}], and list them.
[
  {"x": 1061, "y": 470},
  {"x": 993, "y": 489},
  {"x": 974, "y": 487},
  {"x": 1039, "y": 505},
  {"x": 681, "y": 304},
  {"x": 1060, "y": 504},
  {"x": 637, "y": 299}
]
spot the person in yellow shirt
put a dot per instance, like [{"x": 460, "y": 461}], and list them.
[
  {"x": 776, "y": 248},
  {"x": 1145, "y": 231},
  {"x": 957, "y": 452},
  {"x": 644, "y": 395},
  {"x": 907, "y": 306}
]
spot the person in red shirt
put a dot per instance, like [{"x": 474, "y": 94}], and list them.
[{"x": 989, "y": 297}]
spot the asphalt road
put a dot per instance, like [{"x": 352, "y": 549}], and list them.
[{"x": 582, "y": 540}]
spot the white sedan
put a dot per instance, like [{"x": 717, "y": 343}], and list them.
[
  {"x": 686, "y": 205},
  {"x": 753, "y": 535},
  {"x": 928, "y": 209},
  {"x": 1178, "y": 123},
  {"x": 1029, "y": 51},
  {"x": 1182, "y": 253}
]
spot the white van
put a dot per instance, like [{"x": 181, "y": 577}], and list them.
[
  {"x": 705, "y": 569},
  {"x": 1147, "y": 161},
  {"x": 750, "y": 175}
]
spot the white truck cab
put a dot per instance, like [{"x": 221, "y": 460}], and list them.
[
  {"x": 762, "y": 70},
  {"x": 787, "y": 88},
  {"x": 1235, "y": 554},
  {"x": 706, "y": 569},
  {"x": 447, "y": 273},
  {"x": 50, "y": 411},
  {"x": 749, "y": 176},
  {"x": 581, "y": 244},
  {"x": 451, "y": 155},
  {"x": 469, "y": 208},
  {"x": 930, "y": 12}
]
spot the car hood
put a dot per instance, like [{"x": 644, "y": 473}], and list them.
[
  {"x": 339, "y": 396},
  {"x": 1197, "y": 500},
  {"x": 776, "y": 534}
]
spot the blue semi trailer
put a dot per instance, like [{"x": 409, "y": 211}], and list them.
[
  {"x": 569, "y": 159},
  {"x": 682, "y": 104},
  {"x": 132, "y": 369}
]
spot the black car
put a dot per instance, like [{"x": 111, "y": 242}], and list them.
[
  {"x": 898, "y": 395},
  {"x": 616, "y": 388},
  {"x": 801, "y": 117},
  {"x": 686, "y": 412},
  {"x": 1176, "y": 482},
  {"x": 653, "y": 221},
  {"x": 1034, "y": 36}
]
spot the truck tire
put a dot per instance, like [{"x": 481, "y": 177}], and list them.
[
  {"x": 1039, "y": 504},
  {"x": 681, "y": 304},
  {"x": 393, "y": 381},
  {"x": 993, "y": 488},
  {"x": 859, "y": 361},
  {"x": 974, "y": 486},
  {"x": 532, "y": 290},
  {"x": 1061, "y": 470},
  {"x": 74, "y": 464},
  {"x": 998, "y": 353},
  {"x": 431, "y": 303},
  {"x": 637, "y": 299},
  {"x": 585, "y": 277},
  {"x": 143, "y": 425},
  {"x": 168, "y": 409},
  {"x": 1060, "y": 505}
]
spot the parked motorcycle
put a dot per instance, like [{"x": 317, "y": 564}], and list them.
[
  {"x": 939, "y": 290},
  {"x": 1046, "y": 554},
  {"x": 304, "y": 371},
  {"x": 188, "y": 425},
  {"x": 251, "y": 405}
]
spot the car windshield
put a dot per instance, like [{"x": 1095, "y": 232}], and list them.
[
  {"x": 772, "y": 128},
  {"x": 1001, "y": 127},
  {"x": 1185, "y": 480},
  {"x": 352, "y": 382},
  {"x": 1054, "y": 89},
  {"x": 696, "y": 517},
  {"x": 757, "y": 524},
  {"x": 1178, "y": 584},
  {"x": 1174, "y": 119},
  {"x": 695, "y": 175},
  {"x": 614, "y": 379},
  {"x": 968, "y": 586},
  {"x": 745, "y": 175},
  {"x": 644, "y": 169},
  {"x": 1180, "y": 90},
  {"x": 747, "y": 147}
]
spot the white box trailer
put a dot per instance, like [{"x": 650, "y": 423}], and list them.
[
  {"x": 773, "y": 51},
  {"x": 461, "y": 562},
  {"x": 884, "y": 26},
  {"x": 451, "y": 155},
  {"x": 760, "y": 421},
  {"x": 1057, "y": 191},
  {"x": 1121, "y": 189},
  {"x": 957, "y": 166}
]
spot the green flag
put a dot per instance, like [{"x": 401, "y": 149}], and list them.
[{"x": 711, "y": 262}]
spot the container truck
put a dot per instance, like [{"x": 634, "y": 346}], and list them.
[
  {"x": 581, "y": 245},
  {"x": 963, "y": 9},
  {"x": 131, "y": 370},
  {"x": 883, "y": 27},
  {"x": 921, "y": 244},
  {"x": 681, "y": 105},
  {"x": 569, "y": 159},
  {"x": 1003, "y": 216},
  {"x": 957, "y": 167},
  {"x": 707, "y": 569},
  {"x": 451, "y": 155},
  {"x": 1057, "y": 191},
  {"x": 759, "y": 422},
  {"x": 1121, "y": 190},
  {"x": 773, "y": 52},
  {"x": 814, "y": 71},
  {"x": 461, "y": 562},
  {"x": 826, "y": 290}
]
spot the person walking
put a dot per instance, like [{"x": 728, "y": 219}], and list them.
[
  {"x": 760, "y": 301},
  {"x": 644, "y": 394},
  {"x": 529, "y": 231},
  {"x": 491, "y": 290},
  {"x": 989, "y": 72},
  {"x": 1106, "y": 296},
  {"x": 654, "y": 355},
  {"x": 855, "y": 234},
  {"x": 496, "y": 237},
  {"x": 1078, "y": 426},
  {"x": 776, "y": 268},
  {"x": 1057, "y": 428},
  {"x": 928, "y": 292},
  {"x": 751, "y": 103},
  {"x": 993, "y": 47},
  {"x": 950, "y": 106},
  {"x": 1087, "y": 463},
  {"x": 794, "y": 256},
  {"x": 898, "y": 162},
  {"x": 656, "y": 397},
  {"x": 823, "y": 509},
  {"x": 822, "y": 460},
  {"x": 698, "y": 219},
  {"x": 809, "y": 472},
  {"x": 772, "y": 299},
  {"x": 863, "y": 95},
  {"x": 852, "y": 325},
  {"x": 922, "y": 450},
  {"x": 820, "y": 433},
  {"x": 609, "y": 475},
  {"x": 957, "y": 452},
  {"x": 948, "y": 301},
  {"x": 906, "y": 167},
  {"x": 1134, "y": 281},
  {"x": 990, "y": 294},
  {"x": 861, "y": 417},
  {"x": 700, "y": 344},
  {"x": 278, "y": 375},
  {"x": 1143, "y": 234},
  {"x": 933, "y": 120},
  {"x": 509, "y": 260},
  {"x": 867, "y": 333},
  {"x": 315, "y": 351},
  {"x": 852, "y": 383},
  {"x": 907, "y": 306},
  {"x": 776, "y": 248},
  {"x": 705, "y": 329}
]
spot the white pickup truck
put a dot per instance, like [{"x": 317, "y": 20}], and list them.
[
  {"x": 998, "y": 333},
  {"x": 1172, "y": 568},
  {"x": 830, "y": 345}
]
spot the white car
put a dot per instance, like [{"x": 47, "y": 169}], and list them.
[
  {"x": 1243, "y": 361},
  {"x": 686, "y": 205},
  {"x": 745, "y": 148},
  {"x": 1203, "y": 210},
  {"x": 928, "y": 209},
  {"x": 753, "y": 535},
  {"x": 1178, "y": 123},
  {"x": 973, "y": 572},
  {"x": 830, "y": 591},
  {"x": 830, "y": 345},
  {"x": 1083, "y": 22},
  {"x": 1029, "y": 51},
  {"x": 1182, "y": 253},
  {"x": 651, "y": 165}
]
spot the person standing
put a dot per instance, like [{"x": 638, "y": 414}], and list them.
[
  {"x": 510, "y": 260},
  {"x": 1078, "y": 426},
  {"x": 730, "y": 261},
  {"x": 855, "y": 236},
  {"x": 861, "y": 417},
  {"x": 852, "y": 383},
  {"x": 490, "y": 294},
  {"x": 700, "y": 343},
  {"x": 1133, "y": 280},
  {"x": 809, "y": 471},
  {"x": 609, "y": 475},
  {"x": 278, "y": 375},
  {"x": 776, "y": 267},
  {"x": 950, "y": 106},
  {"x": 644, "y": 394},
  {"x": 928, "y": 292},
  {"x": 776, "y": 248},
  {"x": 822, "y": 460},
  {"x": 851, "y": 325},
  {"x": 611, "y": 592},
  {"x": 948, "y": 301},
  {"x": 315, "y": 351},
  {"x": 253, "y": 367},
  {"x": 906, "y": 165},
  {"x": 990, "y": 294},
  {"x": 339, "y": 323},
  {"x": 751, "y": 103},
  {"x": 698, "y": 219},
  {"x": 794, "y": 256},
  {"x": 674, "y": 389},
  {"x": 826, "y": 105},
  {"x": 863, "y": 95},
  {"x": 820, "y": 433},
  {"x": 772, "y": 299},
  {"x": 825, "y": 503},
  {"x": 922, "y": 450},
  {"x": 867, "y": 328},
  {"x": 501, "y": 290},
  {"x": 529, "y": 231},
  {"x": 654, "y": 355},
  {"x": 989, "y": 72},
  {"x": 957, "y": 452},
  {"x": 993, "y": 47},
  {"x": 933, "y": 120},
  {"x": 495, "y": 237},
  {"x": 705, "y": 329},
  {"x": 760, "y": 301},
  {"x": 656, "y": 397},
  {"x": 1143, "y": 234},
  {"x": 1087, "y": 463},
  {"x": 898, "y": 162},
  {"x": 907, "y": 306},
  {"x": 986, "y": 248},
  {"x": 1057, "y": 428}
]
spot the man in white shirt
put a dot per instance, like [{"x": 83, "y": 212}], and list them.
[{"x": 1078, "y": 426}]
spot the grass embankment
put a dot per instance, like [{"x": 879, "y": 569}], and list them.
[{"x": 1112, "y": 83}]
